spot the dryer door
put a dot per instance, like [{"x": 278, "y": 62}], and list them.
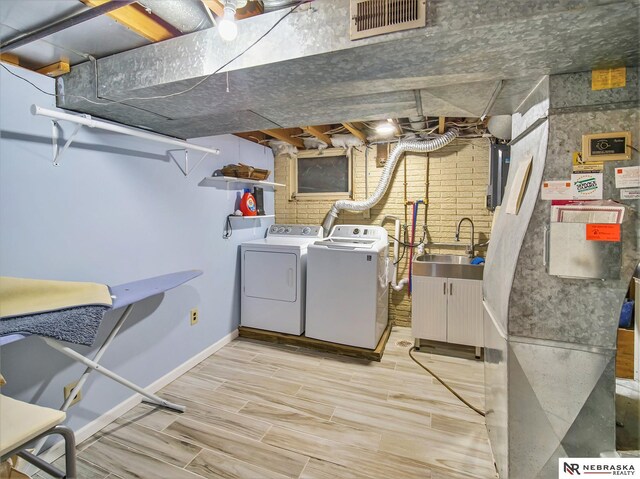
[{"x": 270, "y": 275}]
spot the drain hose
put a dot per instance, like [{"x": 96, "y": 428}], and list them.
[
  {"x": 465, "y": 402},
  {"x": 383, "y": 184}
]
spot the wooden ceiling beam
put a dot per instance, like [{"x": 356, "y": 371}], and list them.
[
  {"x": 252, "y": 9},
  {"x": 255, "y": 136},
  {"x": 215, "y": 6},
  {"x": 441, "y": 121},
  {"x": 136, "y": 18},
  {"x": 319, "y": 132},
  {"x": 55, "y": 69},
  {"x": 354, "y": 129},
  {"x": 286, "y": 135},
  {"x": 10, "y": 58}
]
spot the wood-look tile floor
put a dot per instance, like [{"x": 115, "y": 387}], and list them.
[{"x": 258, "y": 410}]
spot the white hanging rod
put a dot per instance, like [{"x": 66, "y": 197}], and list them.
[{"x": 103, "y": 125}]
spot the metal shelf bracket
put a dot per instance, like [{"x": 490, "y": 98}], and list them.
[
  {"x": 57, "y": 151},
  {"x": 186, "y": 170}
]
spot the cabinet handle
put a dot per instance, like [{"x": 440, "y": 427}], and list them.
[
  {"x": 450, "y": 289},
  {"x": 444, "y": 288}
]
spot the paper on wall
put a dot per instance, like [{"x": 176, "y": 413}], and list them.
[
  {"x": 556, "y": 190},
  {"x": 518, "y": 187},
  {"x": 628, "y": 177},
  {"x": 611, "y": 212},
  {"x": 630, "y": 194},
  {"x": 586, "y": 186}
]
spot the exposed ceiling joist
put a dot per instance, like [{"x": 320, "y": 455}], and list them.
[
  {"x": 319, "y": 132},
  {"x": 286, "y": 135},
  {"x": 10, "y": 58},
  {"x": 55, "y": 69},
  {"x": 136, "y": 18},
  {"x": 215, "y": 6},
  {"x": 255, "y": 136},
  {"x": 252, "y": 9},
  {"x": 441, "y": 121},
  {"x": 354, "y": 129}
]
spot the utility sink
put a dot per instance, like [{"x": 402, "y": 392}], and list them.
[{"x": 446, "y": 266}]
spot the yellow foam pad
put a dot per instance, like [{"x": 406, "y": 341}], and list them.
[
  {"x": 20, "y": 422},
  {"x": 21, "y": 296}
]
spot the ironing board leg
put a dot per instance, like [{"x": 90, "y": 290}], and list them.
[
  {"x": 110, "y": 374},
  {"x": 97, "y": 357}
]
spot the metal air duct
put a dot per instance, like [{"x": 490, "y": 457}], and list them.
[
  {"x": 272, "y": 5},
  {"x": 390, "y": 165},
  {"x": 185, "y": 15}
]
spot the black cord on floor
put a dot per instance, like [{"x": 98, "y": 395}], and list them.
[{"x": 478, "y": 411}]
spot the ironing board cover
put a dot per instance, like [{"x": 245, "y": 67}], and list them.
[{"x": 123, "y": 295}]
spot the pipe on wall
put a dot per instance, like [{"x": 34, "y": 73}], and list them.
[{"x": 389, "y": 167}]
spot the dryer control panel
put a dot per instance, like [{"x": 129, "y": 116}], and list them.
[
  {"x": 302, "y": 231},
  {"x": 359, "y": 231}
]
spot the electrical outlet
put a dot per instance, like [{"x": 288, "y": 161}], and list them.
[
  {"x": 194, "y": 316},
  {"x": 67, "y": 391}
]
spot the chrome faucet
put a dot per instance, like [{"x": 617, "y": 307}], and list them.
[{"x": 471, "y": 246}]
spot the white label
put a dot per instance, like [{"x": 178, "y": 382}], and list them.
[
  {"x": 556, "y": 190},
  {"x": 602, "y": 467},
  {"x": 628, "y": 177},
  {"x": 630, "y": 194},
  {"x": 586, "y": 186}
]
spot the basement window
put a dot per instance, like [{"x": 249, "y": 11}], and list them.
[{"x": 322, "y": 175}]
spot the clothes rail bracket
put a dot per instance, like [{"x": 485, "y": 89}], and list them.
[
  {"x": 86, "y": 120},
  {"x": 186, "y": 170}
]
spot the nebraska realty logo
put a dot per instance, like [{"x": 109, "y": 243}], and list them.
[{"x": 572, "y": 467}]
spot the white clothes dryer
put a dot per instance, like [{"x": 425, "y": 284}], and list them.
[{"x": 273, "y": 272}]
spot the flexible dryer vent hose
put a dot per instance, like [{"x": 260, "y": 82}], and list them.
[{"x": 389, "y": 167}]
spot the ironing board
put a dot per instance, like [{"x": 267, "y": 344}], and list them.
[{"x": 124, "y": 295}]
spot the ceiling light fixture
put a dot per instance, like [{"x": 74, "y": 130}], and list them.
[
  {"x": 386, "y": 128},
  {"x": 227, "y": 27}
]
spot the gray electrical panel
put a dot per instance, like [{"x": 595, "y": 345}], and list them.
[{"x": 498, "y": 173}]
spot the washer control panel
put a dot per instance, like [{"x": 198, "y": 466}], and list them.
[
  {"x": 358, "y": 231},
  {"x": 311, "y": 231}
]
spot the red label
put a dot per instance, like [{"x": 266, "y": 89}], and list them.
[{"x": 603, "y": 232}]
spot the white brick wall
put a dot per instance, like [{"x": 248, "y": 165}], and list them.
[{"x": 458, "y": 178}]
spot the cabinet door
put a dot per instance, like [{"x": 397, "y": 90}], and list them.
[
  {"x": 464, "y": 318},
  {"x": 429, "y": 308}
]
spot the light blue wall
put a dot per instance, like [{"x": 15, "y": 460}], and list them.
[{"x": 116, "y": 210}]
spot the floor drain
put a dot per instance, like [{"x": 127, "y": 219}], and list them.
[{"x": 404, "y": 343}]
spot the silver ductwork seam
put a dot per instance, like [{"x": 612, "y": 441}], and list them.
[{"x": 390, "y": 165}]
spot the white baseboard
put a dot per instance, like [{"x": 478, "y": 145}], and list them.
[{"x": 88, "y": 430}]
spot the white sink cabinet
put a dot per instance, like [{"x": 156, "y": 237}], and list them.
[{"x": 447, "y": 310}]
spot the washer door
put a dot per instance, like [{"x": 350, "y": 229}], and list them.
[{"x": 270, "y": 275}]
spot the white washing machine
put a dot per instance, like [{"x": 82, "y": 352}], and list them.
[
  {"x": 273, "y": 272},
  {"x": 347, "y": 286}
]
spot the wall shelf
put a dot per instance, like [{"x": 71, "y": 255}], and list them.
[
  {"x": 218, "y": 180},
  {"x": 251, "y": 217}
]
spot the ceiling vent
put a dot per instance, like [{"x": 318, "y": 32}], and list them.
[{"x": 376, "y": 17}]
